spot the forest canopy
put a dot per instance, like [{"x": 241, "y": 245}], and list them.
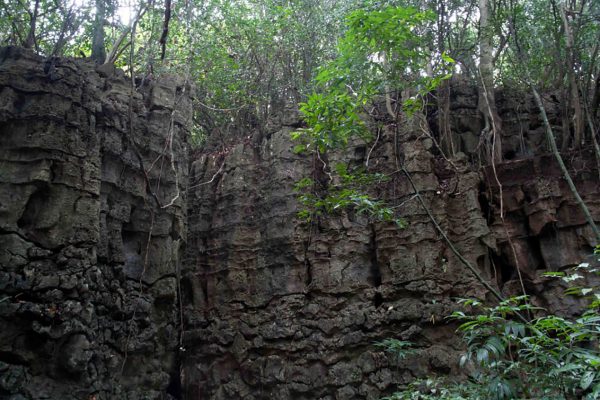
[{"x": 251, "y": 58}]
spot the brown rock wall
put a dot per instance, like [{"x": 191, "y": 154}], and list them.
[
  {"x": 88, "y": 309},
  {"x": 272, "y": 307},
  {"x": 545, "y": 229},
  {"x": 282, "y": 309}
]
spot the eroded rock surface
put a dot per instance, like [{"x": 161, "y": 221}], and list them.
[
  {"x": 235, "y": 297},
  {"x": 88, "y": 309},
  {"x": 282, "y": 309},
  {"x": 544, "y": 228}
]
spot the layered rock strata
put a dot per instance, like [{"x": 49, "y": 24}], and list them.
[
  {"x": 129, "y": 271},
  {"x": 88, "y": 256},
  {"x": 282, "y": 309}
]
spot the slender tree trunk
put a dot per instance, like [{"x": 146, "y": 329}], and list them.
[
  {"x": 30, "y": 40},
  {"x": 116, "y": 49},
  {"x": 595, "y": 99},
  {"x": 65, "y": 27},
  {"x": 388, "y": 91},
  {"x": 443, "y": 91},
  {"x": 98, "y": 48},
  {"x": 487, "y": 99},
  {"x": 589, "y": 74},
  {"x": 594, "y": 140},
  {"x": 446, "y": 139},
  {"x": 565, "y": 107},
  {"x": 578, "y": 123},
  {"x": 165, "y": 32}
]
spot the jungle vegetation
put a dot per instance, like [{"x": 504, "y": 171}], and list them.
[{"x": 336, "y": 60}]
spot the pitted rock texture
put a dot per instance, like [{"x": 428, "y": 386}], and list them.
[
  {"x": 282, "y": 309},
  {"x": 88, "y": 308},
  {"x": 538, "y": 226},
  {"x": 277, "y": 308},
  {"x": 544, "y": 228},
  {"x": 233, "y": 297}
]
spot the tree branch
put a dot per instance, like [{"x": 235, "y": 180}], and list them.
[{"x": 566, "y": 175}]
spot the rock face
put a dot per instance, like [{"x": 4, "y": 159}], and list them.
[
  {"x": 130, "y": 270},
  {"x": 544, "y": 229},
  {"x": 88, "y": 307},
  {"x": 281, "y": 309}
]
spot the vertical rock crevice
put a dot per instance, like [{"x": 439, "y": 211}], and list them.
[{"x": 303, "y": 319}]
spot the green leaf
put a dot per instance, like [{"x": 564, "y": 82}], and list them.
[
  {"x": 553, "y": 274},
  {"x": 447, "y": 58},
  {"x": 587, "y": 379},
  {"x": 482, "y": 355},
  {"x": 299, "y": 149}
]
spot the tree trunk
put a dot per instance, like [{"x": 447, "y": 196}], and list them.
[
  {"x": 30, "y": 40},
  {"x": 446, "y": 139},
  {"x": 443, "y": 91},
  {"x": 388, "y": 92},
  {"x": 578, "y": 123},
  {"x": 565, "y": 107},
  {"x": 595, "y": 99},
  {"x": 487, "y": 99},
  {"x": 165, "y": 32},
  {"x": 98, "y": 48}
]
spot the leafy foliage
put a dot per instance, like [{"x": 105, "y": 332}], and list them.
[
  {"x": 349, "y": 194},
  {"x": 550, "y": 357},
  {"x": 399, "y": 348},
  {"x": 251, "y": 59},
  {"x": 333, "y": 118},
  {"x": 380, "y": 49}
]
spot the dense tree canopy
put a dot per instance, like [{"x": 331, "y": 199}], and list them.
[{"x": 250, "y": 58}]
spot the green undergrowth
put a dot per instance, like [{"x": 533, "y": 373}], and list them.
[{"x": 548, "y": 357}]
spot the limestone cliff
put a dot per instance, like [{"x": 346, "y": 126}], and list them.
[
  {"x": 88, "y": 308},
  {"x": 130, "y": 269},
  {"x": 281, "y": 309}
]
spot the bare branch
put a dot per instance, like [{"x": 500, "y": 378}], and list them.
[
  {"x": 165, "y": 32},
  {"x": 114, "y": 51}
]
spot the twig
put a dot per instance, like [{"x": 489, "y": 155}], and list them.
[
  {"x": 211, "y": 179},
  {"x": 374, "y": 144},
  {"x": 220, "y": 109},
  {"x": 114, "y": 51},
  {"x": 324, "y": 166},
  {"x": 414, "y": 196}
]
